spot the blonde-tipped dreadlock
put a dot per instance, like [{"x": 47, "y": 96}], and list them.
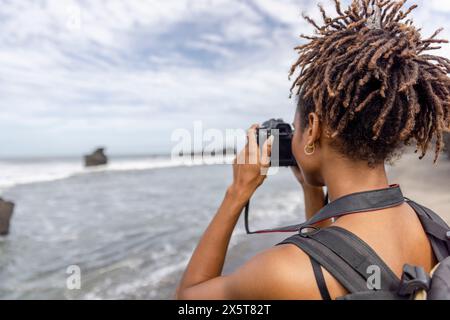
[{"x": 368, "y": 76}]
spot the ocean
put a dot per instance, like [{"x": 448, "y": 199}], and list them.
[{"x": 130, "y": 227}]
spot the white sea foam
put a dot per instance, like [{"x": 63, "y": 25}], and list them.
[{"x": 19, "y": 172}]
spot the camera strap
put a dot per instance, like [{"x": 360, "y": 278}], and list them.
[{"x": 350, "y": 204}]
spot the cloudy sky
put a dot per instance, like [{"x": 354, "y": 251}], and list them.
[{"x": 126, "y": 73}]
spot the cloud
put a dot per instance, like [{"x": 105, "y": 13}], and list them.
[
  {"x": 75, "y": 70},
  {"x": 439, "y": 5}
]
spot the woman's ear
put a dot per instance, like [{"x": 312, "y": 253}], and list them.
[{"x": 313, "y": 129}]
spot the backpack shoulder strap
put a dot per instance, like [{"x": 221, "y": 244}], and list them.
[
  {"x": 437, "y": 230},
  {"x": 320, "y": 279},
  {"x": 346, "y": 257},
  {"x": 359, "y": 255},
  {"x": 325, "y": 257}
]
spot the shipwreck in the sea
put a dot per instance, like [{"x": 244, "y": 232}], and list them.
[{"x": 98, "y": 158}]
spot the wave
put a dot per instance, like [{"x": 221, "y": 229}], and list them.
[{"x": 20, "y": 172}]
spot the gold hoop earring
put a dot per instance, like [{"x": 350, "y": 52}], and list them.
[{"x": 310, "y": 149}]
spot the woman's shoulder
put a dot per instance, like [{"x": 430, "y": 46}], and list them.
[{"x": 282, "y": 272}]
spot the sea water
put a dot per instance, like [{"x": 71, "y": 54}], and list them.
[{"x": 130, "y": 227}]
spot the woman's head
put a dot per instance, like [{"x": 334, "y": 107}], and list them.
[{"x": 368, "y": 81}]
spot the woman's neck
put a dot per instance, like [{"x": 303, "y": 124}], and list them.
[{"x": 343, "y": 177}]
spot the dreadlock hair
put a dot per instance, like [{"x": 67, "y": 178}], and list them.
[{"x": 367, "y": 75}]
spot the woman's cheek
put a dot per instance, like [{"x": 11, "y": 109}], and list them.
[{"x": 297, "y": 150}]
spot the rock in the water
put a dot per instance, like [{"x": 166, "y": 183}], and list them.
[
  {"x": 6, "y": 211},
  {"x": 98, "y": 158}
]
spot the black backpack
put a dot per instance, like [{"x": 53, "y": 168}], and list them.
[{"x": 357, "y": 266}]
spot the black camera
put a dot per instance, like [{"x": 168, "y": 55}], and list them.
[{"x": 281, "y": 149}]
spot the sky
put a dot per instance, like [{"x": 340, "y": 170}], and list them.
[{"x": 125, "y": 74}]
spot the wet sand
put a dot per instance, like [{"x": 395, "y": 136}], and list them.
[{"x": 421, "y": 180}]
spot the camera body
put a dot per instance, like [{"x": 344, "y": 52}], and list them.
[{"x": 282, "y": 147}]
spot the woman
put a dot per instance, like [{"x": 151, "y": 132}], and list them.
[{"x": 366, "y": 88}]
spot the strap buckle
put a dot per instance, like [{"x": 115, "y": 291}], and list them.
[
  {"x": 308, "y": 231},
  {"x": 413, "y": 280}
]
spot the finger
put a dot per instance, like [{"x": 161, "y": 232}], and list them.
[
  {"x": 251, "y": 134},
  {"x": 252, "y": 145},
  {"x": 240, "y": 158},
  {"x": 267, "y": 152}
]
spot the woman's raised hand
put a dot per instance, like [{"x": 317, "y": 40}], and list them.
[{"x": 251, "y": 166}]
